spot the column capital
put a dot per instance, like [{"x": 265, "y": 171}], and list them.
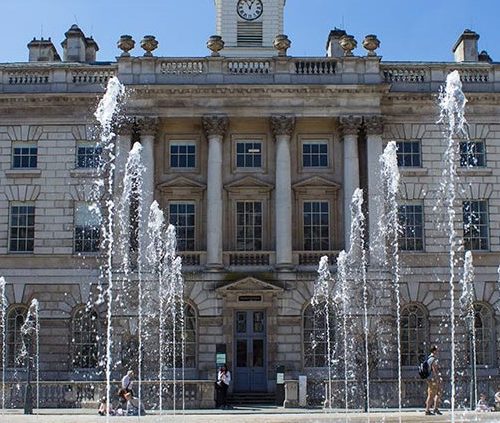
[
  {"x": 374, "y": 125},
  {"x": 215, "y": 125},
  {"x": 147, "y": 125},
  {"x": 127, "y": 127},
  {"x": 282, "y": 125},
  {"x": 350, "y": 125}
]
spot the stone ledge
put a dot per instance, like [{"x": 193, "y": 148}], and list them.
[
  {"x": 23, "y": 173},
  {"x": 414, "y": 171},
  {"x": 474, "y": 171},
  {"x": 83, "y": 173}
]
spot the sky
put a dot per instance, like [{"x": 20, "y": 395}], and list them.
[{"x": 417, "y": 30}]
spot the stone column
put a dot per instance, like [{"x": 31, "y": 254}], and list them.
[
  {"x": 215, "y": 128},
  {"x": 350, "y": 126},
  {"x": 122, "y": 148},
  {"x": 374, "y": 128},
  {"x": 147, "y": 127},
  {"x": 282, "y": 128}
]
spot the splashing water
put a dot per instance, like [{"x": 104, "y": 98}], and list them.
[
  {"x": 389, "y": 227},
  {"x": 344, "y": 300},
  {"x": 452, "y": 102},
  {"x": 467, "y": 307},
  {"x": 3, "y": 321}
]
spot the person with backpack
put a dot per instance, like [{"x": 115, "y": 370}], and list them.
[{"x": 434, "y": 382}]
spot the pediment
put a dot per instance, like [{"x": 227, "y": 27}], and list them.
[
  {"x": 181, "y": 182},
  {"x": 249, "y": 284},
  {"x": 249, "y": 182},
  {"x": 316, "y": 181}
]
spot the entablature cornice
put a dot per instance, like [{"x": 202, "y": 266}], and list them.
[
  {"x": 249, "y": 183},
  {"x": 316, "y": 182},
  {"x": 181, "y": 183}
]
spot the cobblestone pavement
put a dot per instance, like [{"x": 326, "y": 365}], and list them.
[{"x": 250, "y": 416}]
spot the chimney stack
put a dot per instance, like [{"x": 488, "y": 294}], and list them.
[
  {"x": 42, "y": 51},
  {"x": 333, "y": 48},
  {"x": 91, "y": 49},
  {"x": 465, "y": 49}
]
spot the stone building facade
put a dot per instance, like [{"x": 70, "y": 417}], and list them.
[{"x": 254, "y": 155}]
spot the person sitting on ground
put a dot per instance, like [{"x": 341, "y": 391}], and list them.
[
  {"x": 482, "y": 404},
  {"x": 102, "y": 408},
  {"x": 497, "y": 400},
  {"x": 134, "y": 406}
]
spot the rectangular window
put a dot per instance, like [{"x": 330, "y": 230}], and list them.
[
  {"x": 182, "y": 155},
  {"x": 408, "y": 154},
  {"x": 249, "y": 226},
  {"x": 472, "y": 154},
  {"x": 249, "y": 154},
  {"x": 476, "y": 230},
  {"x": 315, "y": 154},
  {"x": 87, "y": 228},
  {"x": 24, "y": 156},
  {"x": 22, "y": 228},
  {"x": 411, "y": 219},
  {"x": 183, "y": 217},
  {"x": 88, "y": 155},
  {"x": 316, "y": 226}
]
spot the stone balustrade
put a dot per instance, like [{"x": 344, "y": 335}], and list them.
[
  {"x": 70, "y": 394},
  {"x": 411, "y": 76}
]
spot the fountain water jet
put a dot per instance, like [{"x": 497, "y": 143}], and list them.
[{"x": 3, "y": 321}]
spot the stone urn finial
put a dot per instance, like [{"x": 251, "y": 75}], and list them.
[
  {"x": 149, "y": 43},
  {"x": 126, "y": 43},
  {"x": 282, "y": 43},
  {"x": 348, "y": 44},
  {"x": 215, "y": 43},
  {"x": 371, "y": 43}
]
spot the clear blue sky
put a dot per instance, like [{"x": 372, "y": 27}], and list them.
[{"x": 418, "y": 30}]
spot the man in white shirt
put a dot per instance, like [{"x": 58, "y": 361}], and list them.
[{"x": 127, "y": 381}]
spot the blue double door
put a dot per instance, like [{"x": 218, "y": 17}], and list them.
[{"x": 250, "y": 351}]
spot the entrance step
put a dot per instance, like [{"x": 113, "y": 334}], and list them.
[{"x": 252, "y": 398}]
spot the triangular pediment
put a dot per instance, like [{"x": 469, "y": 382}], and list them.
[
  {"x": 249, "y": 182},
  {"x": 316, "y": 181},
  {"x": 250, "y": 284},
  {"x": 181, "y": 182}
]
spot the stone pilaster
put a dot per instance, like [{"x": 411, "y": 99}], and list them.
[
  {"x": 374, "y": 126},
  {"x": 350, "y": 126},
  {"x": 282, "y": 128},
  {"x": 147, "y": 128},
  {"x": 215, "y": 128}
]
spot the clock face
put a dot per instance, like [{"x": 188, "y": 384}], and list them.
[{"x": 250, "y": 9}]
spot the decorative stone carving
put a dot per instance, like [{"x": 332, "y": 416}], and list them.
[
  {"x": 374, "y": 125},
  {"x": 215, "y": 125},
  {"x": 282, "y": 43},
  {"x": 350, "y": 125},
  {"x": 282, "y": 125},
  {"x": 126, "y": 43},
  {"x": 215, "y": 43},
  {"x": 348, "y": 44},
  {"x": 126, "y": 127},
  {"x": 371, "y": 43},
  {"x": 147, "y": 125},
  {"x": 149, "y": 43}
]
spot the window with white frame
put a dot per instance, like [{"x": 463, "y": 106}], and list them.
[
  {"x": 249, "y": 154},
  {"x": 22, "y": 228},
  {"x": 483, "y": 325},
  {"x": 409, "y": 154},
  {"x": 314, "y": 154},
  {"x": 414, "y": 330},
  {"x": 248, "y": 225},
  {"x": 87, "y": 227},
  {"x": 13, "y": 336},
  {"x": 411, "y": 221},
  {"x": 316, "y": 322},
  {"x": 475, "y": 224},
  {"x": 316, "y": 225},
  {"x": 24, "y": 156},
  {"x": 472, "y": 153},
  {"x": 182, "y": 155},
  {"x": 88, "y": 155},
  {"x": 84, "y": 338},
  {"x": 183, "y": 217}
]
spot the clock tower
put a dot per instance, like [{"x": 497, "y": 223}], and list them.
[{"x": 248, "y": 27}]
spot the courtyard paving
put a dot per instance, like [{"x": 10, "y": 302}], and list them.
[{"x": 250, "y": 415}]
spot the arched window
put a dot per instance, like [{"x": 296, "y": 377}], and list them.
[
  {"x": 315, "y": 324},
  {"x": 14, "y": 342},
  {"x": 414, "y": 330},
  {"x": 84, "y": 338},
  {"x": 483, "y": 324}
]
